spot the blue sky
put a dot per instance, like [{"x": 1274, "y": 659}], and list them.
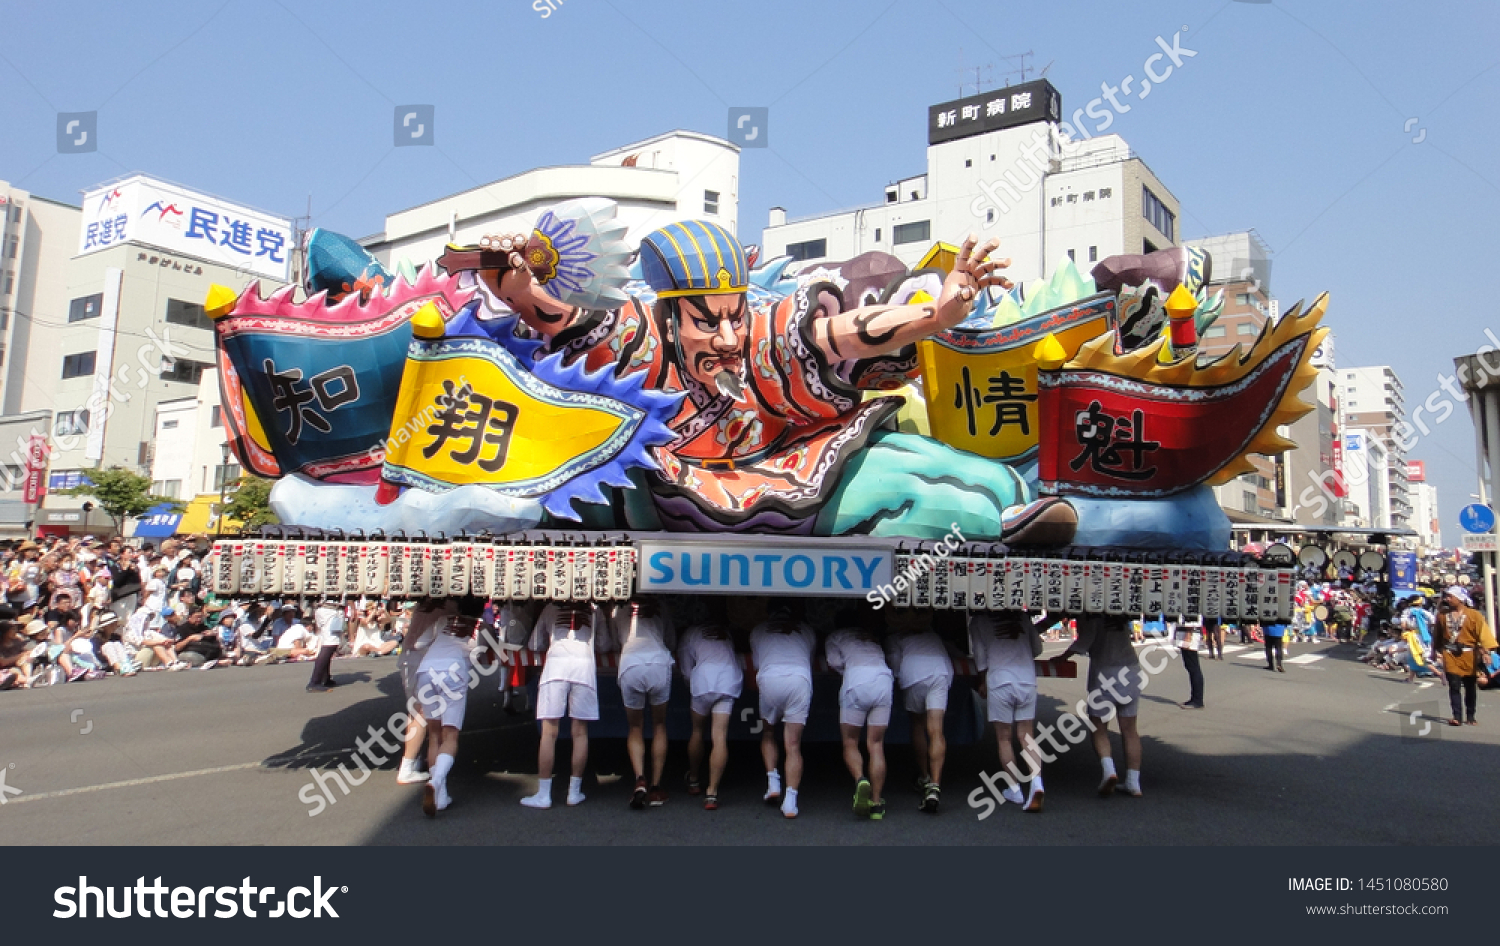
[{"x": 1292, "y": 119}]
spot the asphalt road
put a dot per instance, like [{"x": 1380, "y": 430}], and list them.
[{"x": 1313, "y": 756}]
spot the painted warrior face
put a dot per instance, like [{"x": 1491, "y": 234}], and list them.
[{"x": 710, "y": 334}]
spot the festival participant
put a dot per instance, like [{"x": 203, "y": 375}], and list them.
[
  {"x": 1275, "y": 634},
  {"x": 715, "y": 679},
  {"x": 329, "y": 620},
  {"x": 296, "y": 642},
  {"x": 569, "y": 688},
  {"x": 1005, "y": 646},
  {"x": 443, "y": 691},
  {"x": 782, "y": 648},
  {"x": 646, "y": 638},
  {"x": 1114, "y": 686},
  {"x": 1190, "y": 636},
  {"x": 420, "y": 631},
  {"x": 1464, "y": 639},
  {"x": 924, "y": 671},
  {"x": 864, "y": 703}
]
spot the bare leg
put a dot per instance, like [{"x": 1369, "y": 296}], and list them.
[
  {"x": 635, "y": 740},
  {"x": 658, "y": 742},
  {"x": 416, "y": 728},
  {"x": 937, "y": 744},
  {"x": 875, "y": 742},
  {"x": 792, "y": 734},
  {"x": 769, "y": 754},
  {"x": 695, "y": 751},
  {"x": 546, "y": 753},
  {"x": 854, "y": 761},
  {"x": 1026, "y": 736},
  {"x": 1003, "y": 733},
  {"x": 720, "y": 755},
  {"x": 1131, "y": 737},
  {"x": 1100, "y": 738},
  {"x": 580, "y": 747}
]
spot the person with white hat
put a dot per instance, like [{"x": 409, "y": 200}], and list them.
[{"x": 1464, "y": 639}]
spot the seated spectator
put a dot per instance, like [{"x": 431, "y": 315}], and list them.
[
  {"x": 369, "y": 637},
  {"x": 159, "y": 650},
  {"x": 296, "y": 642},
  {"x": 198, "y": 646},
  {"x": 115, "y": 653}
]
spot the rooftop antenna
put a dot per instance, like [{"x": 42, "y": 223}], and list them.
[
  {"x": 1023, "y": 70},
  {"x": 301, "y": 226},
  {"x": 983, "y": 74}
]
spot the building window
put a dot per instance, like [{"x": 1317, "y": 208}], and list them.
[
  {"x": 167, "y": 489},
  {"x": 216, "y": 416},
  {"x": 10, "y": 283},
  {"x": 1148, "y": 247},
  {"x": 968, "y": 163},
  {"x": 916, "y": 232},
  {"x": 80, "y": 365},
  {"x": 187, "y": 313},
  {"x": 187, "y": 372},
  {"x": 71, "y": 423},
  {"x": 1245, "y": 328},
  {"x": 1214, "y": 331},
  {"x": 914, "y": 196},
  {"x": 226, "y": 475},
  {"x": 169, "y": 425},
  {"x": 1093, "y": 254},
  {"x": 807, "y": 249},
  {"x": 877, "y": 234},
  {"x": 989, "y": 215},
  {"x": 711, "y": 202},
  {"x": 890, "y": 196},
  {"x": 15, "y": 245},
  {"x": 1071, "y": 257},
  {"x": 1157, "y": 214},
  {"x": 86, "y": 307}
]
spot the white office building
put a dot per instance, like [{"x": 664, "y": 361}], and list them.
[
  {"x": 1373, "y": 400},
  {"x": 997, "y": 166},
  {"x": 680, "y": 175}
]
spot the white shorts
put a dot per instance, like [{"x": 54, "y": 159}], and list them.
[
  {"x": 784, "y": 699},
  {"x": 868, "y": 704},
  {"x": 1126, "y": 682},
  {"x": 558, "y": 698},
  {"x": 713, "y": 704},
  {"x": 436, "y": 688},
  {"x": 641, "y": 682},
  {"x": 927, "y": 695},
  {"x": 1010, "y": 702}
]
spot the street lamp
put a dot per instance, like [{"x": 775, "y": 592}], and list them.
[{"x": 223, "y": 485}]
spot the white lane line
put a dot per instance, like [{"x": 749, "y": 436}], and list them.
[
  {"x": 1305, "y": 659},
  {"x": 1234, "y": 648},
  {"x": 131, "y": 782}
]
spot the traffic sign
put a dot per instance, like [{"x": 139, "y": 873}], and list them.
[{"x": 1477, "y": 518}]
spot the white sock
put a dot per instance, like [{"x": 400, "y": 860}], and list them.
[
  {"x": 543, "y": 788},
  {"x": 441, "y": 767},
  {"x": 575, "y": 790},
  {"x": 1109, "y": 767},
  {"x": 773, "y": 782},
  {"x": 789, "y": 801},
  {"x": 1012, "y": 794},
  {"x": 1133, "y": 779},
  {"x": 1036, "y": 785}
]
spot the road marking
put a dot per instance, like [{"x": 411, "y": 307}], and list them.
[
  {"x": 1305, "y": 659},
  {"x": 1234, "y": 648},
  {"x": 135, "y": 781}
]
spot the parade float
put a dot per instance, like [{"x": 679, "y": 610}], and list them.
[{"x": 563, "y": 415}]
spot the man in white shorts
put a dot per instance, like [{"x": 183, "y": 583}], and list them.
[
  {"x": 421, "y": 628},
  {"x": 443, "y": 692},
  {"x": 646, "y": 638},
  {"x": 924, "y": 671},
  {"x": 568, "y": 687},
  {"x": 329, "y": 619},
  {"x": 715, "y": 678},
  {"x": 1114, "y": 690},
  {"x": 782, "y": 648},
  {"x": 864, "y": 703},
  {"x": 1005, "y": 645}
]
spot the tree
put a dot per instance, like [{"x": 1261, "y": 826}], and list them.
[
  {"x": 250, "y": 503},
  {"x": 121, "y": 494}
]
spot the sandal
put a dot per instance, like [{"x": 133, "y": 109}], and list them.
[{"x": 711, "y": 802}]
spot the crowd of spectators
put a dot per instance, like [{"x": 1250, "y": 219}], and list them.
[{"x": 81, "y": 609}]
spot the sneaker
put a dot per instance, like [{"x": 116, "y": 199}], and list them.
[
  {"x": 864, "y": 792},
  {"x": 409, "y": 774},
  {"x": 429, "y": 800},
  {"x": 658, "y": 797},
  {"x": 694, "y": 787},
  {"x": 638, "y": 797},
  {"x": 311, "y": 687},
  {"x": 773, "y": 789},
  {"x": 877, "y": 811},
  {"x": 537, "y": 801},
  {"x": 922, "y": 783},
  {"x": 77, "y": 674},
  {"x": 1034, "y": 801},
  {"x": 1014, "y": 796},
  {"x": 1127, "y": 789},
  {"x": 710, "y": 802},
  {"x": 931, "y": 798},
  {"x": 1280, "y": 669},
  {"x": 788, "y": 808},
  {"x": 575, "y": 798},
  {"x": 1107, "y": 787},
  {"x": 443, "y": 798}
]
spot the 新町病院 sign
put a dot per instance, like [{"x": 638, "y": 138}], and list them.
[
  {"x": 1014, "y": 105},
  {"x": 806, "y": 567}
]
